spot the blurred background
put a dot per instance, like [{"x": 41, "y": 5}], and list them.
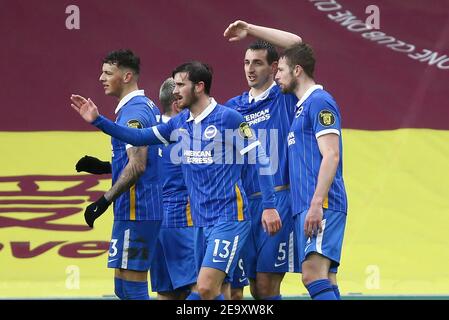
[{"x": 391, "y": 84}]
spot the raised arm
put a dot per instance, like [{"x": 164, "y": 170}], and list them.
[
  {"x": 137, "y": 137},
  {"x": 239, "y": 29}
]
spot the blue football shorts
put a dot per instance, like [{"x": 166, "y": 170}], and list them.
[
  {"x": 173, "y": 267},
  {"x": 219, "y": 246},
  {"x": 328, "y": 242},
  {"x": 133, "y": 244}
]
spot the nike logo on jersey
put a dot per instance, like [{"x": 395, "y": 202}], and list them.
[
  {"x": 217, "y": 260},
  {"x": 279, "y": 264}
]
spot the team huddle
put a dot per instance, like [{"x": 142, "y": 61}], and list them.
[{"x": 211, "y": 198}]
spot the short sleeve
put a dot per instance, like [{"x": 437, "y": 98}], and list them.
[{"x": 325, "y": 116}]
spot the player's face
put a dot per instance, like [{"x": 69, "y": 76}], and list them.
[
  {"x": 112, "y": 79},
  {"x": 184, "y": 90},
  {"x": 257, "y": 70},
  {"x": 285, "y": 77}
]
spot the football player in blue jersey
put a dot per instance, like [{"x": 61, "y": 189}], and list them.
[
  {"x": 319, "y": 199},
  {"x": 213, "y": 141},
  {"x": 136, "y": 190},
  {"x": 172, "y": 275},
  {"x": 269, "y": 113}
]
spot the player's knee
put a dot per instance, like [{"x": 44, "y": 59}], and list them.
[
  {"x": 237, "y": 294},
  {"x": 311, "y": 274},
  {"x": 207, "y": 292},
  {"x": 172, "y": 295},
  {"x": 314, "y": 269},
  {"x": 253, "y": 291},
  {"x": 267, "y": 289}
]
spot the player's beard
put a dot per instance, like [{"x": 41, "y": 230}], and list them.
[
  {"x": 291, "y": 87},
  {"x": 188, "y": 101}
]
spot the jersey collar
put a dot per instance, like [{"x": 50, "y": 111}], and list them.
[
  {"x": 128, "y": 97},
  {"x": 205, "y": 112},
  {"x": 308, "y": 93},
  {"x": 261, "y": 96}
]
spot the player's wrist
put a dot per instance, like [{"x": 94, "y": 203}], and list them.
[
  {"x": 317, "y": 202},
  {"x": 97, "y": 120},
  {"x": 250, "y": 28},
  {"x": 104, "y": 201},
  {"x": 269, "y": 205}
]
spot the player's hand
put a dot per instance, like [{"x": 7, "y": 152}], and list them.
[
  {"x": 86, "y": 108},
  {"x": 93, "y": 165},
  {"x": 312, "y": 223},
  {"x": 236, "y": 30},
  {"x": 271, "y": 221},
  {"x": 94, "y": 210}
]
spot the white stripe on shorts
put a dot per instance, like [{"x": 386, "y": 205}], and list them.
[
  {"x": 319, "y": 238},
  {"x": 125, "y": 249},
  {"x": 234, "y": 248},
  {"x": 291, "y": 253}
]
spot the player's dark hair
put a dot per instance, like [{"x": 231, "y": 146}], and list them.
[
  {"x": 166, "y": 96},
  {"x": 301, "y": 54},
  {"x": 272, "y": 54},
  {"x": 197, "y": 72},
  {"x": 124, "y": 58}
]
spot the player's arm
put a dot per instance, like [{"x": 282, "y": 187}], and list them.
[
  {"x": 137, "y": 137},
  {"x": 137, "y": 159},
  {"x": 240, "y": 29},
  {"x": 329, "y": 146},
  {"x": 271, "y": 220}
]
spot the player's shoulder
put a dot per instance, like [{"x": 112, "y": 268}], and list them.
[
  {"x": 180, "y": 118},
  {"x": 228, "y": 113},
  {"x": 142, "y": 103},
  {"x": 237, "y": 101},
  {"x": 322, "y": 98},
  {"x": 320, "y": 94},
  {"x": 141, "y": 109}
]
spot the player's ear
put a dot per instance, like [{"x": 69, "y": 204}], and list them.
[
  {"x": 199, "y": 87},
  {"x": 297, "y": 70},
  {"x": 127, "y": 76}
]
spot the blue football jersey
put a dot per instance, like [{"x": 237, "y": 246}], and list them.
[
  {"x": 177, "y": 212},
  {"x": 214, "y": 186},
  {"x": 316, "y": 114},
  {"x": 213, "y": 146},
  {"x": 270, "y": 119},
  {"x": 143, "y": 201}
]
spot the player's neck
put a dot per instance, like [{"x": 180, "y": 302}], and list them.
[
  {"x": 304, "y": 85},
  {"x": 128, "y": 90},
  {"x": 198, "y": 107},
  {"x": 258, "y": 91}
]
